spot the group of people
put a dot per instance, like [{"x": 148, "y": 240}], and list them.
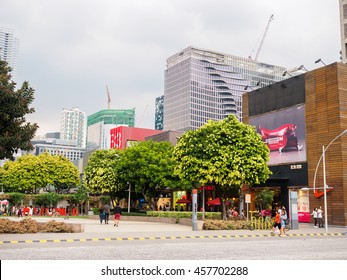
[
  {"x": 104, "y": 214},
  {"x": 233, "y": 214},
  {"x": 317, "y": 214},
  {"x": 281, "y": 220}
]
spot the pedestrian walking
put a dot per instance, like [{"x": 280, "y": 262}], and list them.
[
  {"x": 20, "y": 212},
  {"x": 67, "y": 212},
  {"x": 315, "y": 216},
  {"x": 284, "y": 218},
  {"x": 277, "y": 224},
  {"x": 30, "y": 211},
  {"x": 101, "y": 214},
  {"x": 117, "y": 213},
  {"x": 106, "y": 212},
  {"x": 320, "y": 217}
]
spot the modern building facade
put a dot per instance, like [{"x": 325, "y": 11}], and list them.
[
  {"x": 159, "y": 113},
  {"x": 202, "y": 85},
  {"x": 65, "y": 148},
  {"x": 123, "y": 137},
  {"x": 296, "y": 118},
  {"x": 9, "y": 47},
  {"x": 73, "y": 126},
  {"x": 343, "y": 30},
  {"x": 100, "y": 124}
]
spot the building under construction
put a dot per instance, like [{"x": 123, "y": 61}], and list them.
[{"x": 100, "y": 123}]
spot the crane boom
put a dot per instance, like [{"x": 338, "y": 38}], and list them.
[
  {"x": 264, "y": 35},
  {"x": 108, "y": 98}
]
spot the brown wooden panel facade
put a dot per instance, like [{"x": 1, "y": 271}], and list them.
[{"x": 326, "y": 118}]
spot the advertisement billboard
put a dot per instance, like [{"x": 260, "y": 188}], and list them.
[{"x": 284, "y": 133}]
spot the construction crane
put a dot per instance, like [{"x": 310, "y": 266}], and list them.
[
  {"x": 108, "y": 98},
  {"x": 263, "y": 38},
  {"x": 142, "y": 116}
]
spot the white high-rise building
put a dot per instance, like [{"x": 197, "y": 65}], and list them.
[
  {"x": 202, "y": 85},
  {"x": 343, "y": 28},
  {"x": 9, "y": 46},
  {"x": 73, "y": 126}
]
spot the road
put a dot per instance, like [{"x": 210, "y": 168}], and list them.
[
  {"x": 136, "y": 245},
  {"x": 210, "y": 248}
]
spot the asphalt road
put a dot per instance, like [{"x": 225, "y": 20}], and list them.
[
  {"x": 147, "y": 245},
  {"x": 253, "y": 248}
]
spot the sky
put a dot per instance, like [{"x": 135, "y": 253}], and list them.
[{"x": 71, "y": 50}]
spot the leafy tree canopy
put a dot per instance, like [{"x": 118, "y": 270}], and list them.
[
  {"x": 224, "y": 153},
  {"x": 100, "y": 172},
  {"x": 148, "y": 166},
  {"x": 31, "y": 173},
  {"x": 15, "y": 132}
]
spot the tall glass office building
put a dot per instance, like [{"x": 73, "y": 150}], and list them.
[
  {"x": 202, "y": 85},
  {"x": 9, "y": 46}
]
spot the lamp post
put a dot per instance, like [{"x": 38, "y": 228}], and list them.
[
  {"x": 325, "y": 187},
  {"x": 129, "y": 190}
]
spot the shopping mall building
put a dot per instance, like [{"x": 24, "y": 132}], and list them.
[{"x": 298, "y": 118}]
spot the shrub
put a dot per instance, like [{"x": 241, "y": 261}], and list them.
[
  {"x": 54, "y": 226},
  {"x": 225, "y": 225},
  {"x": 32, "y": 226},
  {"x": 183, "y": 214}
]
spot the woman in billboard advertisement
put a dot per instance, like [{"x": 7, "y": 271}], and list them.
[
  {"x": 281, "y": 138},
  {"x": 284, "y": 133}
]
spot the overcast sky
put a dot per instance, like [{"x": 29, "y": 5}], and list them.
[{"x": 70, "y": 50}]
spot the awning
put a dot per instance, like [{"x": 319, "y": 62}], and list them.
[
  {"x": 183, "y": 201},
  {"x": 215, "y": 201}
]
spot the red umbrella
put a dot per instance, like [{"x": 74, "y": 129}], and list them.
[{"x": 183, "y": 201}]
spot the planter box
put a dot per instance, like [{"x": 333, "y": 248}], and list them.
[{"x": 189, "y": 222}]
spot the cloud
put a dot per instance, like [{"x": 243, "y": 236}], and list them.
[{"x": 70, "y": 50}]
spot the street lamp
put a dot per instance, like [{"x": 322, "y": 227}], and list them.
[
  {"x": 302, "y": 67},
  {"x": 286, "y": 73},
  {"x": 129, "y": 190},
  {"x": 325, "y": 187},
  {"x": 320, "y": 60}
]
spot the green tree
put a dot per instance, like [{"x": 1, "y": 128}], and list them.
[
  {"x": 15, "y": 132},
  {"x": 264, "y": 198},
  {"x": 226, "y": 154},
  {"x": 100, "y": 173},
  {"x": 31, "y": 173},
  {"x": 79, "y": 197},
  {"x": 148, "y": 166},
  {"x": 48, "y": 199}
]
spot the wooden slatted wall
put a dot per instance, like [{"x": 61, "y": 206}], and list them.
[{"x": 326, "y": 118}]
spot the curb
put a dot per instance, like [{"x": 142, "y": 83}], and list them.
[{"x": 166, "y": 238}]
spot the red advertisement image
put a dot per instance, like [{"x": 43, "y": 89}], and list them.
[
  {"x": 281, "y": 139},
  {"x": 284, "y": 132}
]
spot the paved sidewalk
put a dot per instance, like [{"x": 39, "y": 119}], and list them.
[{"x": 129, "y": 230}]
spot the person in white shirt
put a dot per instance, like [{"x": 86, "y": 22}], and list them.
[
  {"x": 320, "y": 217},
  {"x": 315, "y": 216}
]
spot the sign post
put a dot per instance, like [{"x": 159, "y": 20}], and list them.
[
  {"x": 293, "y": 208},
  {"x": 195, "y": 209},
  {"x": 248, "y": 201}
]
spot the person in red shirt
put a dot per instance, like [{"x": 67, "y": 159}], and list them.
[
  {"x": 277, "y": 223},
  {"x": 117, "y": 214}
]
